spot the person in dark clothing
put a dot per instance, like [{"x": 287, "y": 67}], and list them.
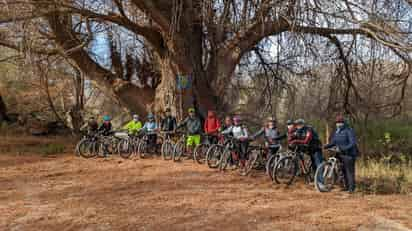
[
  {"x": 169, "y": 123},
  {"x": 344, "y": 139},
  {"x": 91, "y": 126},
  {"x": 271, "y": 135},
  {"x": 291, "y": 130},
  {"x": 306, "y": 137},
  {"x": 106, "y": 127},
  {"x": 106, "y": 130}
]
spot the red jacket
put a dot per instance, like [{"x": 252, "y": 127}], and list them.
[
  {"x": 212, "y": 124},
  {"x": 291, "y": 134}
]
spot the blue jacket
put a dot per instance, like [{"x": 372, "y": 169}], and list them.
[
  {"x": 150, "y": 127},
  {"x": 345, "y": 139}
]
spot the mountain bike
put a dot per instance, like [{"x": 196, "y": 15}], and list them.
[
  {"x": 167, "y": 145},
  {"x": 88, "y": 146},
  {"x": 330, "y": 172},
  {"x": 272, "y": 160},
  {"x": 229, "y": 154},
  {"x": 128, "y": 146},
  {"x": 296, "y": 163},
  {"x": 215, "y": 152},
  {"x": 145, "y": 148},
  {"x": 180, "y": 149},
  {"x": 200, "y": 152}
]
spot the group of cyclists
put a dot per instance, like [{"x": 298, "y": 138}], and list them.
[{"x": 300, "y": 135}]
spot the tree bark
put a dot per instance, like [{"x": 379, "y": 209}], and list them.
[{"x": 3, "y": 110}]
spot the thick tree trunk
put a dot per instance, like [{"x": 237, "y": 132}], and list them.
[{"x": 3, "y": 110}]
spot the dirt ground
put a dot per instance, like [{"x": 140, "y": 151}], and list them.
[{"x": 65, "y": 192}]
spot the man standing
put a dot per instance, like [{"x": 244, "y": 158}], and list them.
[
  {"x": 212, "y": 126},
  {"x": 193, "y": 129},
  {"x": 307, "y": 136},
  {"x": 169, "y": 122},
  {"x": 344, "y": 140}
]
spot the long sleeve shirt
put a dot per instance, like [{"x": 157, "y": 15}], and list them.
[{"x": 238, "y": 132}]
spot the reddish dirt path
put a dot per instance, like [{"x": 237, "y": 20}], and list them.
[{"x": 70, "y": 193}]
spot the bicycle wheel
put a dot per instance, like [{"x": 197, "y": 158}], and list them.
[
  {"x": 213, "y": 155},
  {"x": 224, "y": 159},
  {"x": 87, "y": 148},
  {"x": 285, "y": 170},
  {"x": 308, "y": 172},
  {"x": 325, "y": 177},
  {"x": 250, "y": 162},
  {"x": 142, "y": 149},
  {"x": 270, "y": 164},
  {"x": 200, "y": 153},
  {"x": 179, "y": 149},
  {"x": 125, "y": 149},
  {"x": 167, "y": 150}
]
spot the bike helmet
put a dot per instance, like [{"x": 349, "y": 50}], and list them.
[
  {"x": 168, "y": 110},
  {"x": 236, "y": 119},
  {"x": 106, "y": 118},
  {"x": 191, "y": 110},
  {"x": 289, "y": 122},
  {"x": 150, "y": 116},
  {"x": 270, "y": 119},
  {"x": 300, "y": 121},
  {"x": 136, "y": 117}
]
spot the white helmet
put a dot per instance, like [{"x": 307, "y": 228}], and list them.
[{"x": 136, "y": 117}]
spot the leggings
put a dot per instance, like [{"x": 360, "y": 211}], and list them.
[{"x": 242, "y": 149}]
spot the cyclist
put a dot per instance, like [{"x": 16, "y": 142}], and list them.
[
  {"x": 271, "y": 135},
  {"x": 344, "y": 139},
  {"x": 134, "y": 126},
  {"x": 306, "y": 135},
  {"x": 291, "y": 130},
  {"x": 240, "y": 133},
  {"x": 91, "y": 126},
  {"x": 106, "y": 127},
  {"x": 193, "y": 128},
  {"x": 212, "y": 126},
  {"x": 169, "y": 122},
  {"x": 150, "y": 128}
]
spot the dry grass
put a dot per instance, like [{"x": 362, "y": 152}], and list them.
[
  {"x": 379, "y": 177},
  {"x": 27, "y": 144}
]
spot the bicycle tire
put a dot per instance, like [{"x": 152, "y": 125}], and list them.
[
  {"x": 287, "y": 165},
  {"x": 328, "y": 176},
  {"x": 224, "y": 159},
  {"x": 89, "y": 150},
  {"x": 142, "y": 150},
  {"x": 200, "y": 152},
  {"x": 250, "y": 162},
  {"x": 167, "y": 150},
  {"x": 125, "y": 149},
  {"x": 178, "y": 150},
  {"x": 213, "y": 155},
  {"x": 270, "y": 164}
]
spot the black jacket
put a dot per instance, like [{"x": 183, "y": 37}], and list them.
[{"x": 169, "y": 124}]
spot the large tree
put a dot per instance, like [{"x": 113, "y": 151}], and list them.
[{"x": 202, "y": 38}]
